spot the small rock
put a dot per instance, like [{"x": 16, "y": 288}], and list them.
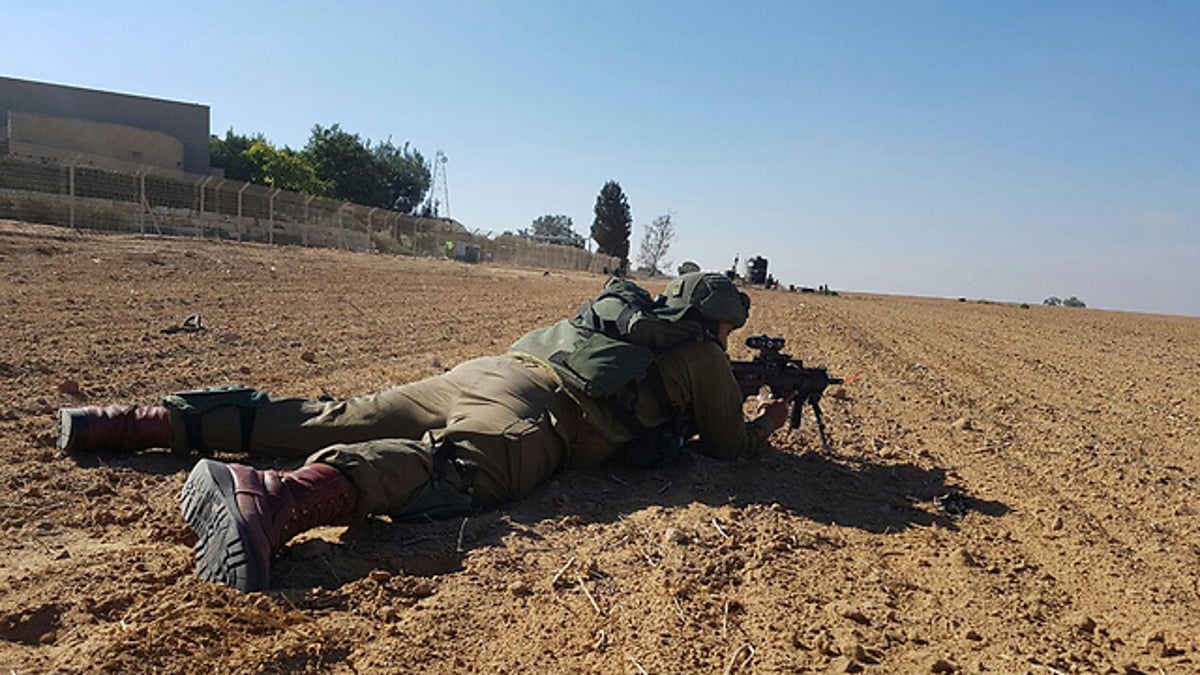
[
  {"x": 245, "y": 370},
  {"x": 1056, "y": 523},
  {"x": 973, "y": 635},
  {"x": 942, "y": 666},
  {"x": 1167, "y": 651},
  {"x": 70, "y": 387},
  {"x": 308, "y": 356},
  {"x": 856, "y": 616},
  {"x": 311, "y": 549},
  {"x": 674, "y": 536},
  {"x": 844, "y": 664},
  {"x": 380, "y": 575},
  {"x": 1085, "y": 624},
  {"x": 63, "y": 555},
  {"x": 963, "y": 557},
  {"x": 962, "y": 424},
  {"x": 519, "y": 588},
  {"x": 423, "y": 588}
]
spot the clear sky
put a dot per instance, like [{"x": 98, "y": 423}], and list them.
[{"x": 1003, "y": 150}]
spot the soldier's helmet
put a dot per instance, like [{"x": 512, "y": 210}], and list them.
[{"x": 713, "y": 295}]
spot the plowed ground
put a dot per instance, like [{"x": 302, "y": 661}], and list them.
[{"x": 1070, "y": 436}]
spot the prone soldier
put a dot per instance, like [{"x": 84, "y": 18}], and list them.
[{"x": 623, "y": 374}]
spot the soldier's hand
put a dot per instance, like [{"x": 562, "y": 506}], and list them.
[{"x": 773, "y": 410}]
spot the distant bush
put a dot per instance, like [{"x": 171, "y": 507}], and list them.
[
  {"x": 1054, "y": 301},
  {"x": 1024, "y": 305}
]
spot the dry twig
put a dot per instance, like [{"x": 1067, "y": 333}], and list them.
[
  {"x": 733, "y": 664},
  {"x": 560, "y": 572},
  {"x": 583, "y": 587},
  {"x": 462, "y": 529},
  {"x": 717, "y": 524},
  {"x": 638, "y": 665},
  {"x": 679, "y": 610}
]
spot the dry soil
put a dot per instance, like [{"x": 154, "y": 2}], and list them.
[{"x": 1066, "y": 440}]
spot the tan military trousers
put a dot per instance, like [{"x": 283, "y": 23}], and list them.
[{"x": 506, "y": 421}]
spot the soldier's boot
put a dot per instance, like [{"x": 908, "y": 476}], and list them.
[
  {"x": 243, "y": 516},
  {"x": 115, "y": 428}
]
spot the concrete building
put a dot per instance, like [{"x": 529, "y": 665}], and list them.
[{"x": 103, "y": 129}]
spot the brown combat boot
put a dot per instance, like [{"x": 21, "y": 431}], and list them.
[
  {"x": 243, "y": 516},
  {"x": 116, "y": 428}
]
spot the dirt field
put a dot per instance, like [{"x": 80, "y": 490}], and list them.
[{"x": 1071, "y": 436}]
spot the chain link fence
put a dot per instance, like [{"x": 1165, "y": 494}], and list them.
[{"x": 153, "y": 201}]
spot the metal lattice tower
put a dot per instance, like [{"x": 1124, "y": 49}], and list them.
[{"x": 438, "y": 183}]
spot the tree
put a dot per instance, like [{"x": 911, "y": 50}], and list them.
[
  {"x": 1073, "y": 302},
  {"x": 229, "y": 153},
  {"x": 557, "y": 229},
  {"x": 1052, "y": 301},
  {"x": 612, "y": 224},
  {"x": 283, "y": 168},
  {"x": 656, "y": 242},
  {"x": 405, "y": 175},
  {"x": 342, "y": 160}
]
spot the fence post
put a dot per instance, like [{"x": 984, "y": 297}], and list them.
[
  {"x": 370, "y": 240},
  {"x": 304, "y": 232},
  {"x": 139, "y": 180},
  {"x": 342, "y": 224},
  {"x": 200, "y": 221},
  {"x": 271, "y": 216},
  {"x": 71, "y": 188},
  {"x": 239, "y": 215}
]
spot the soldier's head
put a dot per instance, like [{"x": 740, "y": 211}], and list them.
[{"x": 714, "y": 297}]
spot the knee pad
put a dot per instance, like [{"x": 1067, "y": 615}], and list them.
[{"x": 193, "y": 404}]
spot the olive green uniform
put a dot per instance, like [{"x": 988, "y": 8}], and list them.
[{"x": 488, "y": 431}]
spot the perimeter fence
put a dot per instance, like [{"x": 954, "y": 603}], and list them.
[{"x": 153, "y": 201}]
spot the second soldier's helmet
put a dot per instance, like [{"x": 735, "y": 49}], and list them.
[{"x": 713, "y": 295}]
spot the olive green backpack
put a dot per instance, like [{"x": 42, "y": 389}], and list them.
[{"x": 610, "y": 345}]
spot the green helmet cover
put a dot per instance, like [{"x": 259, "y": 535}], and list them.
[{"x": 713, "y": 295}]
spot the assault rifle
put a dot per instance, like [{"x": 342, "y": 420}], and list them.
[{"x": 787, "y": 377}]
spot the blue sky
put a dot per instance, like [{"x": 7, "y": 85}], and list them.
[{"x": 1010, "y": 150}]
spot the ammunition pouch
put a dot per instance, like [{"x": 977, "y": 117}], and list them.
[
  {"x": 449, "y": 492},
  {"x": 656, "y": 449}
]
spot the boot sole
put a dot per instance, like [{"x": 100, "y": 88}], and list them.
[
  {"x": 72, "y": 429},
  {"x": 223, "y": 550}
]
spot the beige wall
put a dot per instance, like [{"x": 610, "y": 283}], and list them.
[{"x": 100, "y": 139}]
